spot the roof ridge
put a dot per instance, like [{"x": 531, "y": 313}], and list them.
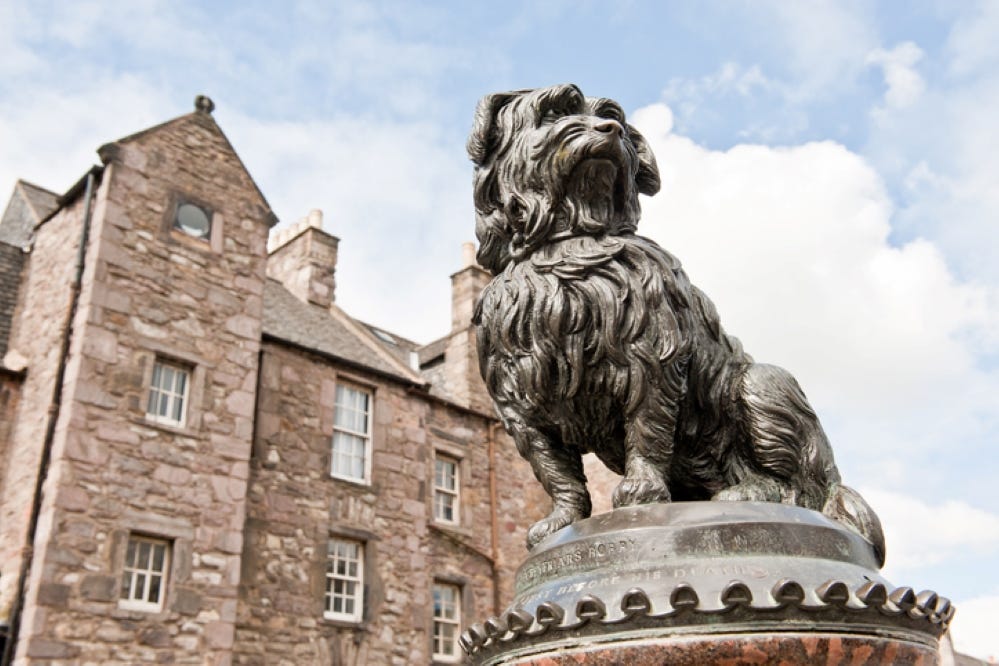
[{"x": 366, "y": 336}]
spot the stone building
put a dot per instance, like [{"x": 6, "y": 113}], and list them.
[{"x": 203, "y": 460}]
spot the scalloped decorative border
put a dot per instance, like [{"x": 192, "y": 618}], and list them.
[{"x": 517, "y": 624}]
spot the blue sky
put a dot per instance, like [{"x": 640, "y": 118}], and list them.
[{"x": 830, "y": 180}]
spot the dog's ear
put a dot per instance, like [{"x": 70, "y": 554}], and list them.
[
  {"x": 648, "y": 171},
  {"x": 481, "y": 139},
  {"x": 494, "y": 241}
]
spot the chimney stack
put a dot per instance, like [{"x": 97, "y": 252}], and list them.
[
  {"x": 303, "y": 258},
  {"x": 461, "y": 357}
]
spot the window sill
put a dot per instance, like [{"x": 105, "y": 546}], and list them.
[
  {"x": 182, "y": 430},
  {"x": 356, "y": 625},
  {"x": 359, "y": 483},
  {"x": 127, "y": 613},
  {"x": 451, "y": 529}
]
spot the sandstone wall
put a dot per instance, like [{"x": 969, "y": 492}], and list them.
[
  {"x": 294, "y": 506},
  {"x": 39, "y": 323},
  {"x": 150, "y": 291}
]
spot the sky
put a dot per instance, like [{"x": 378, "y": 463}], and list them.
[{"x": 830, "y": 179}]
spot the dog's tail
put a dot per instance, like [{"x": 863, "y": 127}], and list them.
[{"x": 847, "y": 507}]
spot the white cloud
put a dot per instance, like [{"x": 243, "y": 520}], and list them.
[
  {"x": 826, "y": 42},
  {"x": 972, "y": 41},
  {"x": 50, "y": 136},
  {"x": 397, "y": 194},
  {"x": 792, "y": 245},
  {"x": 974, "y": 627},
  {"x": 730, "y": 78},
  {"x": 923, "y": 533},
  {"x": 904, "y": 83}
]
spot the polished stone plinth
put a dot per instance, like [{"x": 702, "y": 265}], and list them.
[{"x": 708, "y": 583}]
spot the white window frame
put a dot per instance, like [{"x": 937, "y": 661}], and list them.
[
  {"x": 141, "y": 574},
  {"x": 173, "y": 396},
  {"x": 443, "y": 492},
  {"x": 443, "y": 619},
  {"x": 333, "y": 562},
  {"x": 365, "y": 435}
]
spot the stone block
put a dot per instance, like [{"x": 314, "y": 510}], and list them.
[
  {"x": 53, "y": 594},
  {"x": 98, "y": 587}
]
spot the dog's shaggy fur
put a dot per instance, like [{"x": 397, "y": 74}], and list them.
[{"x": 591, "y": 338}]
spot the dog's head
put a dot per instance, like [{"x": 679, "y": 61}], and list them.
[{"x": 551, "y": 163}]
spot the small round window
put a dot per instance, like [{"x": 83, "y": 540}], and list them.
[{"x": 193, "y": 221}]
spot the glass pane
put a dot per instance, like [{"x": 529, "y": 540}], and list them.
[
  {"x": 447, "y": 639},
  {"x": 144, "y": 547},
  {"x": 159, "y": 550},
  {"x": 140, "y": 586},
  {"x": 178, "y": 409},
  {"x": 167, "y": 375},
  {"x": 181, "y": 382},
  {"x": 154, "y": 589},
  {"x": 130, "y": 554},
  {"x": 193, "y": 221}
]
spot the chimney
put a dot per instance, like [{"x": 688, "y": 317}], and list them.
[
  {"x": 461, "y": 358},
  {"x": 303, "y": 258},
  {"x": 466, "y": 285}
]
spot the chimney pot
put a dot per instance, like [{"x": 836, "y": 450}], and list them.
[{"x": 467, "y": 254}]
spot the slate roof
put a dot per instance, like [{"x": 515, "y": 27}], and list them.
[
  {"x": 29, "y": 204},
  {"x": 332, "y": 333},
  {"x": 400, "y": 347},
  {"x": 11, "y": 263},
  {"x": 433, "y": 350}
]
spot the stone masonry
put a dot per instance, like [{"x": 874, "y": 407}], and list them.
[{"x": 241, "y": 492}]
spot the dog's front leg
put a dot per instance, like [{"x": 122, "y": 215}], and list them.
[
  {"x": 560, "y": 471},
  {"x": 648, "y": 448}
]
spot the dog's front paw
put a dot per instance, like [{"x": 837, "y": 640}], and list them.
[
  {"x": 556, "y": 520},
  {"x": 640, "y": 491}
]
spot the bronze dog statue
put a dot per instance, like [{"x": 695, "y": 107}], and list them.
[{"x": 592, "y": 339}]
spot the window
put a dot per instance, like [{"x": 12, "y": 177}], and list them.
[
  {"x": 193, "y": 220},
  {"x": 143, "y": 579},
  {"x": 345, "y": 580},
  {"x": 168, "y": 393},
  {"x": 351, "y": 457},
  {"x": 446, "y": 489},
  {"x": 447, "y": 622}
]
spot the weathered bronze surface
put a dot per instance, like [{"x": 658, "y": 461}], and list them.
[
  {"x": 591, "y": 338},
  {"x": 705, "y": 583}
]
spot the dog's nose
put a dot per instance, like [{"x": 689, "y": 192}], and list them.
[{"x": 608, "y": 126}]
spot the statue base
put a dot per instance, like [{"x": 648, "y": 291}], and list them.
[{"x": 708, "y": 583}]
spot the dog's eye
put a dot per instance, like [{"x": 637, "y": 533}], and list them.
[
  {"x": 552, "y": 115},
  {"x": 612, "y": 114}
]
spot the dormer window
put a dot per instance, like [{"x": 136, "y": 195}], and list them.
[{"x": 193, "y": 220}]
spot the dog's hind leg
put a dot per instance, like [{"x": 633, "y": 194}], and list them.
[
  {"x": 788, "y": 451},
  {"x": 560, "y": 471}
]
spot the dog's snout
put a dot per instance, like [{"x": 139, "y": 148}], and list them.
[{"x": 608, "y": 126}]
